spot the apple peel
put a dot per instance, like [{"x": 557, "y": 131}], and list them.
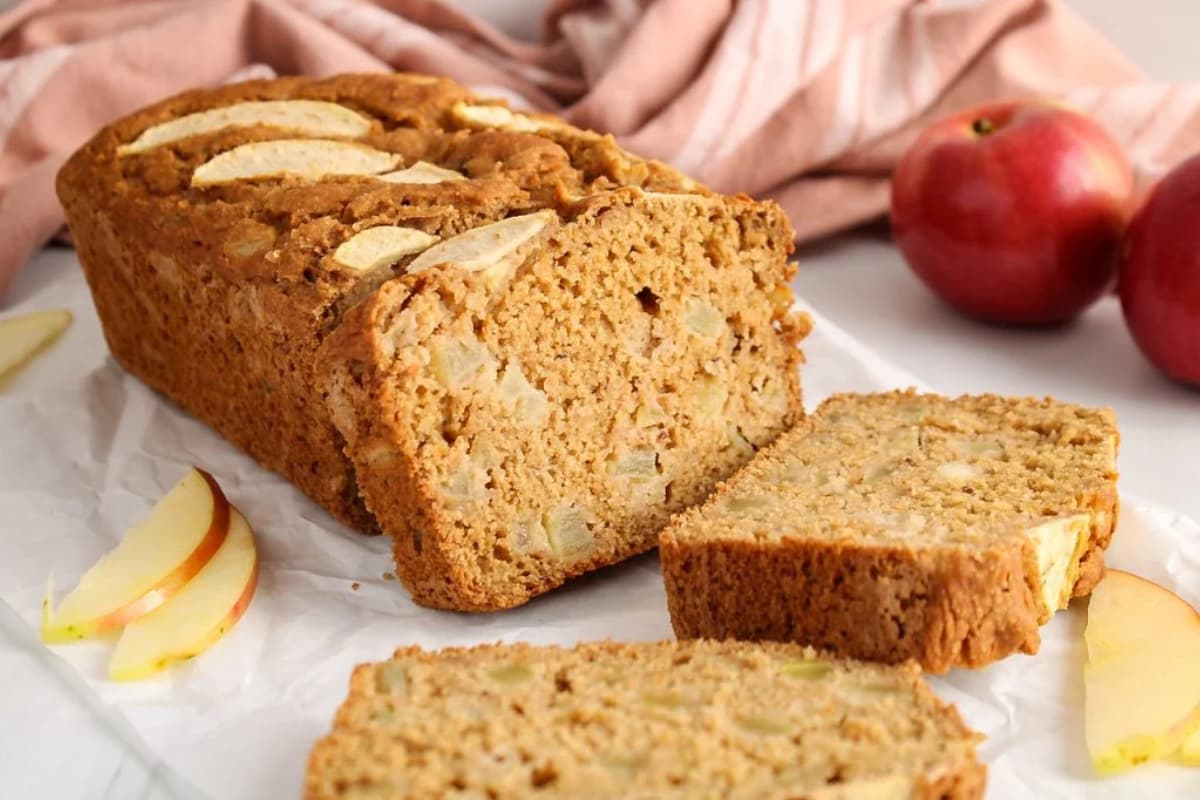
[
  {"x": 126, "y": 584},
  {"x": 198, "y": 616}
]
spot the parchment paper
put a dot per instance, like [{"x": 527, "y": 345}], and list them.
[{"x": 87, "y": 450}]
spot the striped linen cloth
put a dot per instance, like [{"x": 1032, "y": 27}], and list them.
[{"x": 806, "y": 101}]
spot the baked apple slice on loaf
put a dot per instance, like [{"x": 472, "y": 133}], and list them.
[
  {"x": 897, "y": 526},
  {"x": 533, "y": 398}
]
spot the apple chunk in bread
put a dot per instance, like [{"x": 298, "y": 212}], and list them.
[
  {"x": 154, "y": 560},
  {"x": 423, "y": 172},
  {"x": 21, "y": 338},
  {"x": 198, "y": 616},
  {"x": 1142, "y": 676},
  {"x": 307, "y": 159},
  {"x": 306, "y": 117}
]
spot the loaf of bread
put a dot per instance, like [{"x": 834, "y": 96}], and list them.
[
  {"x": 903, "y": 526},
  {"x": 669, "y": 720},
  {"x": 504, "y": 341}
]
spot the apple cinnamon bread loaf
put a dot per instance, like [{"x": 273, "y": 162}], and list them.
[
  {"x": 410, "y": 302},
  {"x": 667, "y": 720},
  {"x": 903, "y": 526}
]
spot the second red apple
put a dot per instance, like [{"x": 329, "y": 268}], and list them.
[{"x": 1014, "y": 212}]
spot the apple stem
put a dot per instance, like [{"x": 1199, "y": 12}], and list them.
[{"x": 982, "y": 127}]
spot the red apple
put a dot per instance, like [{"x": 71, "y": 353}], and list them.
[
  {"x": 1159, "y": 280},
  {"x": 1013, "y": 212}
]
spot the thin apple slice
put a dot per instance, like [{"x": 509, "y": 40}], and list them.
[
  {"x": 494, "y": 250},
  {"x": 306, "y": 159},
  {"x": 423, "y": 172},
  {"x": 307, "y": 117},
  {"x": 21, "y": 338},
  {"x": 380, "y": 246},
  {"x": 1142, "y": 676},
  {"x": 198, "y": 616},
  {"x": 153, "y": 561}
]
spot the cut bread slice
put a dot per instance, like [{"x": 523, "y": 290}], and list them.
[
  {"x": 897, "y": 526},
  {"x": 537, "y": 396},
  {"x": 664, "y": 720}
]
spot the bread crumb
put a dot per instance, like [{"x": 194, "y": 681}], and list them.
[
  {"x": 354, "y": 586},
  {"x": 772, "y": 700},
  {"x": 389, "y": 576}
]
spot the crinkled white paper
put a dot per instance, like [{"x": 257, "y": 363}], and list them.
[{"x": 87, "y": 450}]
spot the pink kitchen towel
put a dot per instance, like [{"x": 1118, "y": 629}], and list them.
[{"x": 806, "y": 101}]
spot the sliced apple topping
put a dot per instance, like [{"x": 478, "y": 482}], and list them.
[
  {"x": 198, "y": 616},
  {"x": 494, "y": 250},
  {"x": 307, "y": 159},
  {"x": 303, "y": 117},
  {"x": 422, "y": 172},
  {"x": 1141, "y": 679},
  {"x": 381, "y": 246},
  {"x": 498, "y": 117},
  {"x": 154, "y": 560},
  {"x": 21, "y": 338}
]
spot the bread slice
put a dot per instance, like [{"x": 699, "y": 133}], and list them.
[
  {"x": 903, "y": 526},
  {"x": 249, "y": 247},
  {"x": 534, "y": 398},
  {"x": 668, "y": 720}
]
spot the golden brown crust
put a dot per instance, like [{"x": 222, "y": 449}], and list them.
[{"x": 880, "y": 605}]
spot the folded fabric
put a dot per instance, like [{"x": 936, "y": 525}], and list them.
[{"x": 806, "y": 101}]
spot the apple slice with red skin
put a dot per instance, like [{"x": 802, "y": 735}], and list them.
[
  {"x": 154, "y": 560},
  {"x": 198, "y": 616},
  {"x": 1013, "y": 212}
]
